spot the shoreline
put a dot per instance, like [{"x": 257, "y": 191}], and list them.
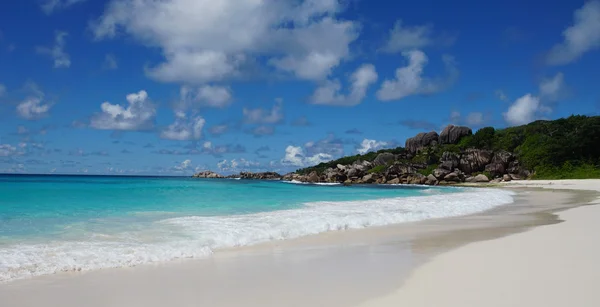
[
  {"x": 550, "y": 265},
  {"x": 368, "y": 263}
]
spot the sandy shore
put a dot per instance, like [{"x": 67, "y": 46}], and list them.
[
  {"x": 370, "y": 267},
  {"x": 554, "y": 265}
]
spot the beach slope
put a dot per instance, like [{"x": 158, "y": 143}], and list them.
[{"x": 553, "y": 265}]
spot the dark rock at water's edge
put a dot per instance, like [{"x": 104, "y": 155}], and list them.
[{"x": 207, "y": 174}]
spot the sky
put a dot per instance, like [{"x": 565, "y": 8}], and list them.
[{"x": 172, "y": 87}]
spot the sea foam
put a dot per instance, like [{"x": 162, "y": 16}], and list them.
[{"x": 198, "y": 236}]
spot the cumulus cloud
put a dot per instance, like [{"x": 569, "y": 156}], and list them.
[
  {"x": 361, "y": 79},
  {"x": 295, "y": 156},
  {"x": 33, "y": 107},
  {"x": 205, "y": 41},
  {"x": 139, "y": 114},
  {"x": 184, "y": 129},
  {"x": 524, "y": 110},
  {"x": 183, "y": 166},
  {"x": 51, "y": 6},
  {"x": 206, "y": 95},
  {"x": 110, "y": 62},
  {"x": 410, "y": 80},
  {"x": 403, "y": 37},
  {"x": 237, "y": 165},
  {"x": 57, "y": 52},
  {"x": 370, "y": 145},
  {"x": 583, "y": 36},
  {"x": 263, "y": 116}
]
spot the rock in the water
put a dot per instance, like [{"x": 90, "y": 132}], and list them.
[
  {"x": 506, "y": 177},
  {"x": 440, "y": 173},
  {"x": 261, "y": 176},
  {"x": 474, "y": 160},
  {"x": 207, "y": 174},
  {"x": 481, "y": 178},
  {"x": 420, "y": 141},
  {"x": 313, "y": 177},
  {"x": 384, "y": 159},
  {"x": 452, "y": 134},
  {"x": 452, "y": 177},
  {"x": 394, "y": 181}
]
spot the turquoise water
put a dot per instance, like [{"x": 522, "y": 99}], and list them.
[{"x": 61, "y": 223}]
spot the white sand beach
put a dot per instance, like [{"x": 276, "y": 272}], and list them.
[
  {"x": 554, "y": 265},
  {"x": 496, "y": 258}
]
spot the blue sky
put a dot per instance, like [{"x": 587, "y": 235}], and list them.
[{"x": 172, "y": 87}]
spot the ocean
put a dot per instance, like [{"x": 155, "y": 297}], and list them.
[{"x": 51, "y": 224}]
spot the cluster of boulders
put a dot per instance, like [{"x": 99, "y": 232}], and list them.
[
  {"x": 207, "y": 174},
  {"x": 470, "y": 165},
  {"x": 258, "y": 176},
  {"x": 478, "y": 165}
]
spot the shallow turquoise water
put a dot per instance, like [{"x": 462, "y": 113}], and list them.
[{"x": 50, "y": 224}]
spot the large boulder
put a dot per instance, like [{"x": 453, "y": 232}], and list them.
[
  {"x": 440, "y": 173},
  {"x": 452, "y": 134},
  {"x": 417, "y": 143},
  {"x": 503, "y": 157},
  {"x": 452, "y": 177},
  {"x": 449, "y": 161},
  {"x": 399, "y": 169},
  {"x": 313, "y": 177},
  {"x": 495, "y": 169},
  {"x": 474, "y": 160},
  {"x": 383, "y": 159},
  {"x": 481, "y": 178},
  {"x": 431, "y": 180}
]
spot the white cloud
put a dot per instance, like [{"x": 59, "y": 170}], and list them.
[
  {"x": 50, "y": 6},
  {"x": 552, "y": 89},
  {"x": 183, "y": 129},
  {"x": 410, "y": 81},
  {"x": 110, "y": 62},
  {"x": 57, "y": 52},
  {"x": 525, "y": 110},
  {"x": 237, "y": 165},
  {"x": 207, "y": 145},
  {"x": 583, "y": 36},
  {"x": 7, "y": 150},
  {"x": 206, "y": 95},
  {"x": 262, "y": 116},
  {"x": 185, "y": 165},
  {"x": 138, "y": 115},
  {"x": 295, "y": 156},
  {"x": 204, "y": 41},
  {"x": 370, "y": 145},
  {"x": 33, "y": 107},
  {"x": 403, "y": 38},
  {"x": 361, "y": 79}
]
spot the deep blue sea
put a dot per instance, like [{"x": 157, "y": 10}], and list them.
[{"x": 50, "y": 224}]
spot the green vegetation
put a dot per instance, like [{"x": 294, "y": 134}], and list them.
[
  {"x": 557, "y": 149},
  {"x": 428, "y": 170},
  {"x": 378, "y": 169},
  {"x": 320, "y": 168}
]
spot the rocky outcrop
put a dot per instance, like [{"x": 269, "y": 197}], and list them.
[
  {"x": 417, "y": 143},
  {"x": 383, "y": 159},
  {"x": 260, "y": 176},
  {"x": 452, "y": 134},
  {"x": 475, "y": 160},
  {"x": 449, "y": 161},
  {"x": 207, "y": 174}
]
